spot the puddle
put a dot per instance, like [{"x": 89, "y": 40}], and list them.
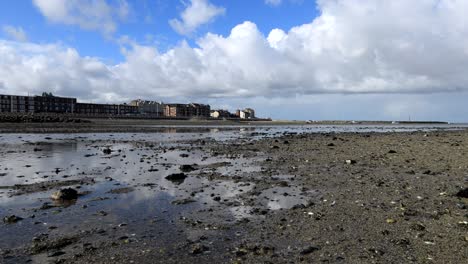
[{"x": 130, "y": 184}]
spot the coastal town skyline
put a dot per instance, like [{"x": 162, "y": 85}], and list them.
[{"x": 323, "y": 60}]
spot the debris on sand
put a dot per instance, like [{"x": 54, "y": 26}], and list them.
[
  {"x": 308, "y": 250},
  {"x": 187, "y": 168},
  {"x": 198, "y": 249},
  {"x": 122, "y": 190},
  {"x": 11, "y": 219},
  {"x": 65, "y": 194},
  {"x": 183, "y": 201},
  {"x": 107, "y": 151},
  {"x": 177, "y": 177},
  {"x": 462, "y": 193}
]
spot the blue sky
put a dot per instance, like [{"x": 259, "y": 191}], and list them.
[
  {"x": 288, "y": 59},
  {"x": 148, "y": 23}
]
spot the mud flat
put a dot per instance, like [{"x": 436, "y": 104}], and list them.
[{"x": 284, "y": 198}]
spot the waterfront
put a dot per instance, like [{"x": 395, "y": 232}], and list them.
[{"x": 250, "y": 194}]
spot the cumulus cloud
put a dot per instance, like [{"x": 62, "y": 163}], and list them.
[
  {"x": 96, "y": 15},
  {"x": 352, "y": 47},
  {"x": 197, "y": 13},
  {"x": 15, "y": 33}
]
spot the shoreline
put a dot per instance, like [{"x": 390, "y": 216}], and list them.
[
  {"x": 150, "y": 126},
  {"x": 398, "y": 200}
]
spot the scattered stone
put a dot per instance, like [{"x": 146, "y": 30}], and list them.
[
  {"x": 462, "y": 193},
  {"x": 198, "y": 249},
  {"x": 46, "y": 206},
  {"x": 11, "y": 219},
  {"x": 65, "y": 194},
  {"x": 57, "y": 244},
  {"x": 103, "y": 213},
  {"x": 55, "y": 254},
  {"x": 121, "y": 190},
  {"x": 392, "y": 151},
  {"x": 183, "y": 201},
  {"x": 308, "y": 250},
  {"x": 177, "y": 178},
  {"x": 349, "y": 162},
  {"x": 187, "y": 168},
  {"x": 107, "y": 151},
  {"x": 391, "y": 221},
  {"x": 418, "y": 227}
]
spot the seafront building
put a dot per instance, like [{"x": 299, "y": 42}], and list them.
[
  {"x": 187, "y": 110},
  {"x": 221, "y": 114},
  {"x": 48, "y": 103},
  {"x": 247, "y": 113},
  {"x": 151, "y": 108},
  {"x": 17, "y": 104}
]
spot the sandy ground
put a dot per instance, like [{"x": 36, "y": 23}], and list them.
[{"x": 360, "y": 198}]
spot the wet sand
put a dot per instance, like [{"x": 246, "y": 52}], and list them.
[
  {"x": 311, "y": 198},
  {"x": 129, "y": 125}
]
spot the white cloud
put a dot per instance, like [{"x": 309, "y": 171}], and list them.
[
  {"x": 197, "y": 13},
  {"x": 96, "y": 15},
  {"x": 273, "y": 2},
  {"x": 15, "y": 33},
  {"x": 353, "y": 47}
]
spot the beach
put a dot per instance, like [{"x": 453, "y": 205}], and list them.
[{"x": 238, "y": 195}]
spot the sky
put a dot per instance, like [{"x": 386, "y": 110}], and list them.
[{"x": 287, "y": 59}]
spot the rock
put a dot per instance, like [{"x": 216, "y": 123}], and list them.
[
  {"x": 107, "y": 151},
  {"x": 187, "y": 168},
  {"x": 121, "y": 190},
  {"x": 392, "y": 151},
  {"x": 418, "y": 227},
  {"x": 198, "y": 249},
  {"x": 391, "y": 221},
  {"x": 46, "y": 206},
  {"x": 65, "y": 194},
  {"x": 308, "y": 250},
  {"x": 183, "y": 201},
  {"x": 349, "y": 162},
  {"x": 103, "y": 213},
  {"x": 183, "y": 155},
  {"x": 177, "y": 178},
  {"x": 331, "y": 145},
  {"x": 11, "y": 219},
  {"x": 55, "y": 254},
  {"x": 462, "y": 193}
]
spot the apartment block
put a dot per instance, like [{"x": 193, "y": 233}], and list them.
[
  {"x": 54, "y": 104},
  {"x": 152, "y": 108},
  {"x": 17, "y": 104}
]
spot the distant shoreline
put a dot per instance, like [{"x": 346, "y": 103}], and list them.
[{"x": 154, "y": 126}]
